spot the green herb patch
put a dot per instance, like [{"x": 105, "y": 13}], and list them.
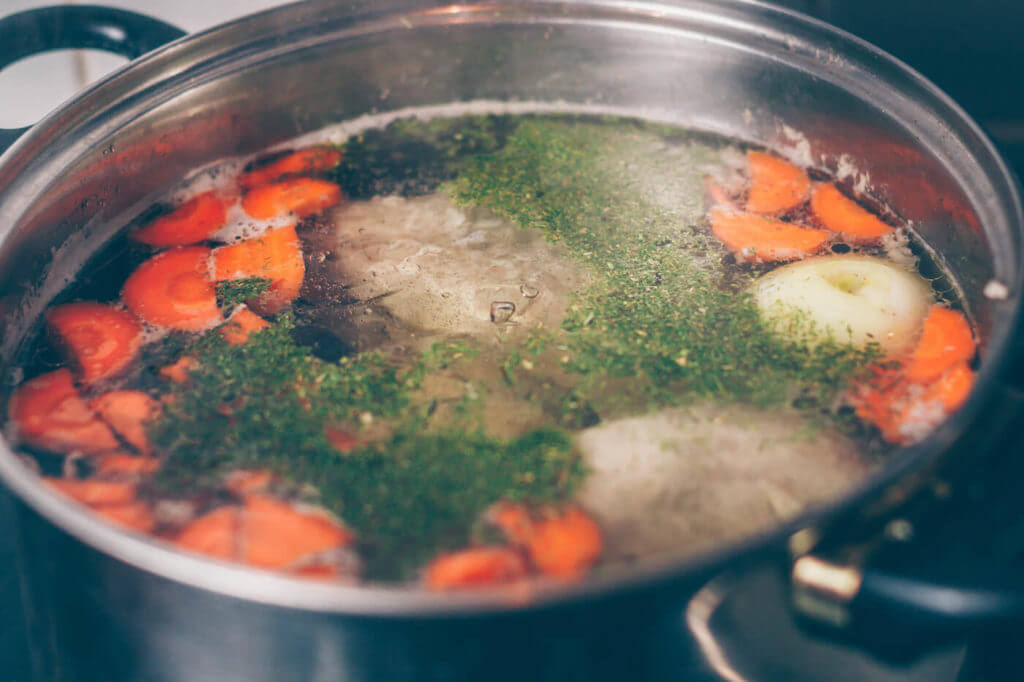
[
  {"x": 657, "y": 315},
  {"x": 409, "y": 495}
]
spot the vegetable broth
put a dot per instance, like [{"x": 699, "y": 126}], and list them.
[{"x": 519, "y": 346}]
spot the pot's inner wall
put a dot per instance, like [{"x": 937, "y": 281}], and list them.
[{"x": 724, "y": 77}]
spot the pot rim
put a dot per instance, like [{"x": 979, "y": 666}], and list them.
[{"x": 816, "y": 41}]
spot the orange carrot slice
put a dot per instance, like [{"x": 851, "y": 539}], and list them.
[
  {"x": 946, "y": 340},
  {"x": 135, "y": 516},
  {"x": 515, "y": 522},
  {"x": 127, "y": 412},
  {"x": 215, "y": 534},
  {"x": 173, "y": 289},
  {"x": 178, "y": 372},
  {"x": 100, "y": 339},
  {"x": 756, "y": 238},
  {"x": 300, "y": 162},
  {"x": 318, "y": 572},
  {"x": 300, "y": 197},
  {"x": 248, "y": 481},
  {"x": 238, "y": 327},
  {"x": 839, "y": 213},
  {"x": 276, "y": 534},
  {"x": 276, "y": 255},
  {"x": 50, "y": 414},
  {"x": 567, "y": 545},
  {"x": 94, "y": 493},
  {"x": 476, "y": 567},
  {"x": 563, "y": 545},
  {"x": 953, "y": 387},
  {"x": 124, "y": 464},
  {"x": 192, "y": 222},
  {"x": 776, "y": 186}
]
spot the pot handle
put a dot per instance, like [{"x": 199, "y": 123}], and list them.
[
  {"x": 946, "y": 567},
  {"x": 77, "y": 27}
]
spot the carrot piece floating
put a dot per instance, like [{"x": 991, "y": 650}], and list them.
[
  {"x": 838, "y": 213},
  {"x": 276, "y": 534},
  {"x": 476, "y": 567},
  {"x": 776, "y": 186},
  {"x": 192, "y": 222},
  {"x": 515, "y": 522},
  {"x": 50, "y": 414},
  {"x": 215, "y": 533},
  {"x": 276, "y": 255},
  {"x": 127, "y": 413},
  {"x": 100, "y": 339},
  {"x": 178, "y": 372},
  {"x": 757, "y": 238},
  {"x": 124, "y": 464},
  {"x": 238, "y": 327},
  {"x": 318, "y": 572},
  {"x": 953, "y": 387},
  {"x": 300, "y": 162},
  {"x": 945, "y": 341},
  {"x": 565, "y": 546},
  {"x": 135, "y": 516},
  {"x": 173, "y": 289},
  {"x": 300, "y": 197},
  {"x": 94, "y": 493},
  {"x": 248, "y": 481}
]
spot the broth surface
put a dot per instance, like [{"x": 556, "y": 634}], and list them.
[{"x": 511, "y": 347}]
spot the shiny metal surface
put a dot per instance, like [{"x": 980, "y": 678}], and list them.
[{"x": 136, "y": 610}]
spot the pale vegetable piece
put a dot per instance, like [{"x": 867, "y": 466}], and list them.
[{"x": 850, "y": 299}]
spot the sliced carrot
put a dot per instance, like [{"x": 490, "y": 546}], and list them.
[
  {"x": 276, "y": 534},
  {"x": 757, "y": 238},
  {"x": 300, "y": 162},
  {"x": 320, "y": 571},
  {"x": 952, "y": 388},
  {"x": 562, "y": 544},
  {"x": 135, "y": 516},
  {"x": 178, "y": 372},
  {"x": 776, "y": 186},
  {"x": 100, "y": 339},
  {"x": 127, "y": 412},
  {"x": 215, "y": 533},
  {"x": 238, "y": 327},
  {"x": 244, "y": 482},
  {"x": 565, "y": 546},
  {"x": 476, "y": 567},
  {"x": 173, "y": 289},
  {"x": 946, "y": 340},
  {"x": 192, "y": 222},
  {"x": 50, "y": 414},
  {"x": 839, "y": 213},
  {"x": 515, "y": 522},
  {"x": 276, "y": 255},
  {"x": 300, "y": 197},
  {"x": 881, "y": 399},
  {"x": 124, "y": 464},
  {"x": 94, "y": 493}
]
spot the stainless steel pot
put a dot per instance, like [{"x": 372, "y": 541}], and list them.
[{"x": 104, "y": 605}]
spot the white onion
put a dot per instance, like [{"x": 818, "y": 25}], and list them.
[{"x": 850, "y": 299}]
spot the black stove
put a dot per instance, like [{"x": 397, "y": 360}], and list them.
[{"x": 742, "y": 626}]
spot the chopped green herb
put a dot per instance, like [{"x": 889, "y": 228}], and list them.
[
  {"x": 233, "y": 292},
  {"x": 266, "y": 403}
]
